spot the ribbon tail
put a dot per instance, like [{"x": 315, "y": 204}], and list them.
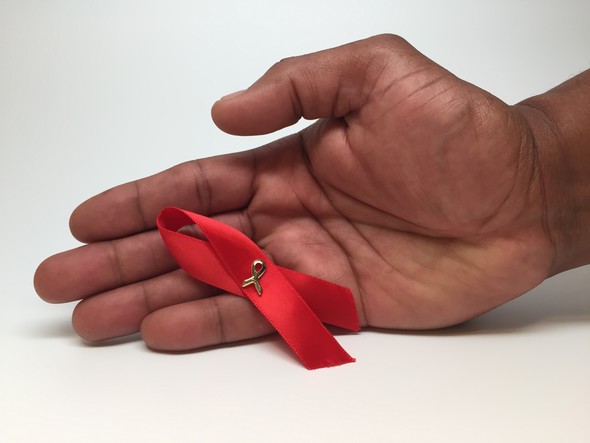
[
  {"x": 295, "y": 321},
  {"x": 333, "y": 304}
]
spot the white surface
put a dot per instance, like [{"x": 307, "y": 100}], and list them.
[{"x": 94, "y": 93}]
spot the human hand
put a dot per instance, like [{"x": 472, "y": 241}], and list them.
[{"x": 418, "y": 191}]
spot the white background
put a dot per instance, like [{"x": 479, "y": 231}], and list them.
[{"x": 94, "y": 93}]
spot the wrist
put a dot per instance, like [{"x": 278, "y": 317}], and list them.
[{"x": 559, "y": 123}]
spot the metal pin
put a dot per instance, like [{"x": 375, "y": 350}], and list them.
[{"x": 256, "y": 274}]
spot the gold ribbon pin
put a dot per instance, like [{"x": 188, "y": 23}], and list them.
[{"x": 256, "y": 274}]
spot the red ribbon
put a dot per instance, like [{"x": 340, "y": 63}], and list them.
[{"x": 295, "y": 304}]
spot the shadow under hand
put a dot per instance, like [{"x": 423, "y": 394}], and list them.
[
  {"x": 111, "y": 342},
  {"x": 50, "y": 329},
  {"x": 562, "y": 299}
]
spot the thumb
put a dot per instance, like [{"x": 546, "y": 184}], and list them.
[{"x": 330, "y": 83}]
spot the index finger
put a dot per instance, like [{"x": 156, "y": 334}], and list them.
[{"x": 207, "y": 186}]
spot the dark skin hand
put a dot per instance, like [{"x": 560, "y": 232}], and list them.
[{"x": 419, "y": 191}]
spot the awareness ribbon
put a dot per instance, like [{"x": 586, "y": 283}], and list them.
[{"x": 295, "y": 304}]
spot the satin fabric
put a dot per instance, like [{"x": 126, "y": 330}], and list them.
[{"x": 295, "y": 304}]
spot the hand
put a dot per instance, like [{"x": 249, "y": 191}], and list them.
[{"x": 418, "y": 191}]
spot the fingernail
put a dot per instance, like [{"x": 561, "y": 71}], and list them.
[{"x": 232, "y": 95}]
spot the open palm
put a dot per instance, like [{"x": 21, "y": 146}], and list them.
[{"x": 415, "y": 189}]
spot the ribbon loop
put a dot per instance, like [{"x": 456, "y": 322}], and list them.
[{"x": 296, "y": 304}]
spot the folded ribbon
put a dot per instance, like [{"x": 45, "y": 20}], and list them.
[{"x": 295, "y": 304}]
